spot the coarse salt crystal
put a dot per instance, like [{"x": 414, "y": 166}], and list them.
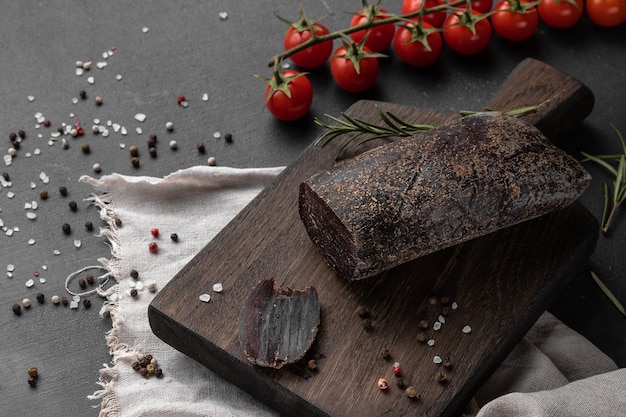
[
  {"x": 77, "y": 243},
  {"x": 454, "y": 306},
  {"x": 205, "y": 97},
  {"x": 223, "y": 15},
  {"x": 437, "y": 359},
  {"x": 42, "y": 280},
  {"x": 204, "y": 298},
  {"x": 31, "y": 98},
  {"x": 10, "y": 267},
  {"x": 140, "y": 117},
  {"x": 145, "y": 29},
  {"x": 431, "y": 342},
  {"x": 31, "y": 241},
  {"x": 436, "y": 325},
  {"x": 91, "y": 80},
  {"x": 139, "y": 131},
  {"x": 30, "y": 283},
  {"x": 31, "y": 216},
  {"x": 466, "y": 329},
  {"x": 218, "y": 287},
  {"x": 442, "y": 319}
]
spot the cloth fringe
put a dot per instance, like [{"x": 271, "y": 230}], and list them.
[{"x": 109, "y": 406}]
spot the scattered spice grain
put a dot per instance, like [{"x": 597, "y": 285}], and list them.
[
  {"x": 43, "y": 194},
  {"x": 67, "y": 229},
  {"x": 73, "y": 205},
  {"x": 152, "y": 151},
  {"x": 63, "y": 190},
  {"x": 87, "y": 303},
  {"x": 134, "y": 150},
  {"x": 153, "y": 247},
  {"x": 201, "y": 147},
  {"x": 134, "y": 274},
  {"x": 17, "y": 309},
  {"x": 89, "y": 226},
  {"x": 174, "y": 237},
  {"x": 85, "y": 148},
  {"x": 40, "y": 298},
  {"x": 134, "y": 161}
]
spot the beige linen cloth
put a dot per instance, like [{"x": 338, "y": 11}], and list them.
[{"x": 553, "y": 372}]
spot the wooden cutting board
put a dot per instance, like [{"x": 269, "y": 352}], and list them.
[{"x": 501, "y": 283}]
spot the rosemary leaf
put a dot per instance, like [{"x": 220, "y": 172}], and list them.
[
  {"x": 608, "y": 293},
  {"x": 600, "y": 161}
]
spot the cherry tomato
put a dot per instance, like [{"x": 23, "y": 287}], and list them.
[
  {"x": 346, "y": 75},
  {"x": 560, "y": 14},
  {"x": 514, "y": 25},
  {"x": 607, "y": 13},
  {"x": 414, "y": 52},
  {"x": 480, "y": 6},
  {"x": 379, "y": 37},
  {"x": 436, "y": 19},
  {"x": 460, "y": 38},
  {"x": 313, "y": 56},
  {"x": 290, "y": 106}
]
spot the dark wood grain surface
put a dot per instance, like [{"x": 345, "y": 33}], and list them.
[{"x": 501, "y": 282}]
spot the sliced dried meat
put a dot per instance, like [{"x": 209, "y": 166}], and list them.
[
  {"x": 278, "y": 326},
  {"x": 415, "y": 196}
]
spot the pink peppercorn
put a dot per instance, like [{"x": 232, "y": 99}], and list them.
[
  {"x": 181, "y": 99},
  {"x": 154, "y": 232},
  {"x": 153, "y": 247}
]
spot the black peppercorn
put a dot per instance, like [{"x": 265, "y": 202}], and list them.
[
  {"x": 65, "y": 301},
  {"x": 72, "y": 205},
  {"x": 85, "y": 148},
  {"x": 228, "y": 137},
  {"x": 40, "y": 298},
  {"x": 135, "y": 161},
  {"x": 6, "y": 176},
  {"x": 151, "y": 143},
  {"x": 63, "y": 190},
  {"x": 366, "y": 323},
  {"x": 362, "y": 311},
  {"x": 201, "y": 147},
  {"x": 21, "y": 134},
  {"x": 174, "y": 237},
  {"x": 82, "y": 94},
  {"x": 82, "y": 283},
  {"x": 136, "y": 366},
  {"x": 67, "y": 229},
  {"x": 133, "y": 293},
  {"x": 87, "y": 303},
  {"x": 90, "y": 279},
  {"x": 134, "y": 274},
  {"x": 89, "y": 226},
  {"x": 32, "y": 382},
  {"x": 153, "y": 151},
  {"x": 17, "y": 309},
  {"x": 385, "y": 354},
  {"x": 153, "y": 138},
  {"x": 46, "y": 123},
  {"x": 12, "y": 136},
  {"x": 159, "y": 373},
  {"x": 118, "y": 222}
]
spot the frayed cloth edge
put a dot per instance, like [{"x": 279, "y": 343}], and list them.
[{"x": 109, "y": 406}]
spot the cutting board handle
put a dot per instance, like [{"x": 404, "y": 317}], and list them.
[{"x": 563, "y": 101}]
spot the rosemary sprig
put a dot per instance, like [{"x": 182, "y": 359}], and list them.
[
  {"x": 616, "y": 165},
  {"x": 608, "y": 293},
  {"x": 391, "y": 126}
]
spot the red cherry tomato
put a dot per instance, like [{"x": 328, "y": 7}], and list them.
[
  {"x": 460, "y": 38},
  {"x": 415, "y": 52},
  {"x": 291, "y": 108},
  {"x": 479, "y": 6},
  {"x": 514, "y": 25},
  {"x": 436, "y": 19},
  {"x": 379, "y": 37},
  {"x": 560, "y": 14},
  {"x": 345, "y": 74},
  {"x": 313, "y": 56},
  {"x": 607, "y": 13}
]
